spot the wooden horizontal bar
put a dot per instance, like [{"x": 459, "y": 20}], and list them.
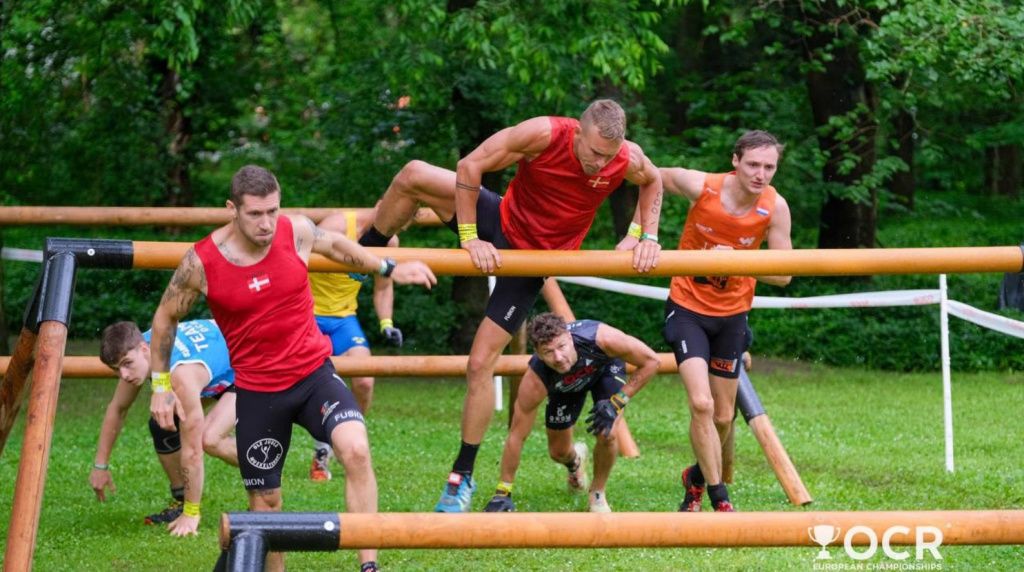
[
  {"x": 89, "y": 367},
  {"x": 646, "y": 529},
  {"x": 811, "y": 262},
  {"x": 158, "y": 216}
]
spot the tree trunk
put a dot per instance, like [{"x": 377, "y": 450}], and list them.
[
  {"x": 903, "y": 182},
  {"x": 838, "y": 89},
  {"x": 5, "y": 346},
  {"x": 470, "y": 293},
  {"x": 623, "y": 204},
  {"x": 1003, "y": 170},
  {"x": 177, "y": 181}
]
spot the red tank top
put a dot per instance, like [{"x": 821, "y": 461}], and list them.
[
  {"x": 708, "y": 225},
  {"x": 265, "y": 311},
  {"x": 550, "y": 203}
]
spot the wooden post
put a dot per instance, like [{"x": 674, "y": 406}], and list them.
[
  {"x": 161, "y": 216},
  {"x": 750, "y": 406},
  {"x": 35, "y": 450},
  {"x": 624, "y": 529},
  {"x": 90, "y": 367},
  {"x": 13, "y": 387}
]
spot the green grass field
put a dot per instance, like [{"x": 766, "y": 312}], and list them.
[{"x": 861, "y": 440}]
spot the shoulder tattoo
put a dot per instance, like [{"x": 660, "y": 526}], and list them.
[{"x": 182, "y": 291}]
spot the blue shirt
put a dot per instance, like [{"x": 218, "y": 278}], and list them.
[{"x": 200, "y": 341}]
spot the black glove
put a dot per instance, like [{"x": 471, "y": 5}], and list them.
[
  {"x": 501, "y": 503},
  {"x": 391, "y": 334},
  {"x": 604, "y": 413}
]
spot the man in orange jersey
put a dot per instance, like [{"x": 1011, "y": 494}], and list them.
[
  {"x": 706, "y": 316},
  {"x": 565, "y": 170}
]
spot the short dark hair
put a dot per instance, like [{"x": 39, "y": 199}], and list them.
[
  {"x": 608, "y": 117},
  {"x": 252, "y": 180},
  {"x": 119, "y": 339},
  {"x": 545, "y": 327},
  {"x": 756, "y": 140}
]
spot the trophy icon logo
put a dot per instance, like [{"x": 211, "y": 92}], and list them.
[{"x": 823, "y": 534}]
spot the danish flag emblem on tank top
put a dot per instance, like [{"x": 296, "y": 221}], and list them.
[{"x": 259, "y": 283}]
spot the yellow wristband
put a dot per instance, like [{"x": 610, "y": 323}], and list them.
[
  {"x": 386, "y": 323},
  {"x": 634, "y": 230},
  {"x": 161, "y": 382},
  {"x": 190, "y": 509},
  {"x": 467, "y": 232}
]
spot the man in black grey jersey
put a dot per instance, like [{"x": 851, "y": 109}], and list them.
[{"x": 570, "y": 361}]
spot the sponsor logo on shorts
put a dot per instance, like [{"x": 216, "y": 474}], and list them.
[
  {"x": 614, "y": 369},
  {"x": 746, "y": 241},
  {"x": 253, "y": 482},
  {"x": 508, "y": 315},
  {"x": 347, "y": 415},
  {"x": 326, "y": 410},
  {"x": 265, "y": 453},
  {"x": 727, "y": 365},
  {"x": 560, "y": 415}
]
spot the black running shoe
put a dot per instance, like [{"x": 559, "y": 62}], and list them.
[
  {"x": 694, "y": 493},
  {"x": 169, "y": 514},
  {"x": 501, "y": 503}
]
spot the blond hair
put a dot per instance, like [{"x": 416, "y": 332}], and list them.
[{"x": 608, "y": 117}]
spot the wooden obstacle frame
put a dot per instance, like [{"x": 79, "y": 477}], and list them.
[{"x": 49, "y": 314}]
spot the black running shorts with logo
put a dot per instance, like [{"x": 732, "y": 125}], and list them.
[
  {"x": 564, "y": 409},
  {"x": 718, "y": 340},
  {"x": 513, "y": 296},
  {"x": 319, "y": 402}
]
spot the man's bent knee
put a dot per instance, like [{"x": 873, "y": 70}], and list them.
[
  {"x": 408, "y": 178},
  {"x": 702, "y": 407},
  {"x": 354, "y": 456}
]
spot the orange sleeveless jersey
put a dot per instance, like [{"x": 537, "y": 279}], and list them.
[{"x": 707, "y": 226}]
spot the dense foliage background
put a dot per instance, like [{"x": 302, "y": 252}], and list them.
[{"x": 903, "y": 118}]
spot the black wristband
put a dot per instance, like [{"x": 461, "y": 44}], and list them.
[{"x": 388, "y": 267}]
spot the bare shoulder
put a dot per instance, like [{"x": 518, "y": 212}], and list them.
[
  {"x": 187, "y": 284},
  {"x": 190, "y": 272},
  {"x": 338, "y": 222},
  {"x": 780, "y": 202},
  {"x": 683, "y": 182},
  {"x": 530, "y": 136},
  {"x": 608, "y": 337}
]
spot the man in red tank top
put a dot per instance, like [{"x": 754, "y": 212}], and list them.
[
  {"x": 253, "y": 272},
  {"x": 565, "y": 169},
  {"x": 706, "y": 316}
]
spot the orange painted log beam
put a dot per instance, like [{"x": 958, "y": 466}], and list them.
[
  {"x": 158, "y": 216},
  {"x": 840, "y": 262},
  {"x": 653, "y": 529},
  {"x": 89, "y": 367}
]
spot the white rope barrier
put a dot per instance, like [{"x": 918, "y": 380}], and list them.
[
  {"x": 21, "y": 254},
  {"x": 963, "y": 311},
  {"x": 981, "y": 318}
]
